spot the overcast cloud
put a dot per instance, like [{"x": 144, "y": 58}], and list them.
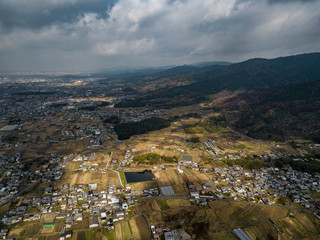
[{"x": 91, "y": 35}]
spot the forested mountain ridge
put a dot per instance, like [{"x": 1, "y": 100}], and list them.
[
  {"x": 275, "y": 113},
  {"x": 265, "y": 98}
]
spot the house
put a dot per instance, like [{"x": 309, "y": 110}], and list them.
[
  {"x": 68, "y": 234},
  {"x": 120, "y": 215},
  {"x": 203, "y": 202},
  {"x": 93, "y": 186},
  {"x": 69, "y": 219},
  {"x": 128, "y": 188},
  {"x": 168, "y": 236},
  {"x": 110, "y": 226},
  {"x": 78, "y": 217},
  {"x": 62, "y": 236},
  {"x": 93, "y": 222},
  {"x": 103, "y": 217},
  {"x": 3, "y": 233},
  {"x": 124, "y": 206},
  {"x": 194, "y": 194},
  {"x": 65, "y": 235},
  {"x": 110, "y": 221},
  {"x": 206, "y": 185}
]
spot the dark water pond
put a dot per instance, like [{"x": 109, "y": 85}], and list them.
[{"x": 138, "y": 176}]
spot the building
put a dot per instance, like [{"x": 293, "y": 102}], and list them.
[
  {"x": 240, "y": 234},
  {"x": 167, "y": 191},
  {"x": 93, "y": 222},
  {"x": 124, "y": 206},
  {"x": 78, "y": 217},
  {"x": 168, "y": 236}
]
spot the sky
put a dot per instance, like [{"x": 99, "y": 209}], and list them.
[{"x": 96, "y": 35}]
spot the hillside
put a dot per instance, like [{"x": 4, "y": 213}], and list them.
[{"x": 278, "y": 113}]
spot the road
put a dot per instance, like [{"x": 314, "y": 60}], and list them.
[
  {"x": 107, "y": 166},
  {"x": 18, "y": 194},
  {"x": 109, "y": 160},
  {"x": 237, "y": 201},
  {"x": 102, "y": 127},
  {"x": 118, "y": 176}
]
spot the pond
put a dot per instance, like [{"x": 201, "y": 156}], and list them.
[{"x": 132, "y": 177}]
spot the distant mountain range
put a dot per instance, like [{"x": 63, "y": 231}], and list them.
[
  {"x": 257, "y": 74},
  {"x": 265, "y": 98}
]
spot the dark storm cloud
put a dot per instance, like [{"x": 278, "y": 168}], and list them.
[
  {"x": 83, "y": 35},
  {"x": 37, "y": 14}
]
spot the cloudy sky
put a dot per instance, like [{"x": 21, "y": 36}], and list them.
[{"x": 93, "y": 35}]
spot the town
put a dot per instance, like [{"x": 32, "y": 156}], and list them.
[{"x": 66, "y": 174}]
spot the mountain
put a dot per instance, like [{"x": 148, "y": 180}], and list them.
[
  {"x": 175, "y": 71},
  {"x": 262, "y": 98},
  {"x": 259, "y": 73},
  {"x": 186, "y": 69},
  {"x": 288, "y": 111},
  {"x": 188, "y": 85},
  {"x": 205, "y": 64}
]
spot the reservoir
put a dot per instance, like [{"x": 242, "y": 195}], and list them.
[{"x": 132, "y": 177}]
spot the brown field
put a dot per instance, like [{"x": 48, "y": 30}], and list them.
[
  {"x": 47, "y": 230},
  {"x": 58, "y": 225},
  {"x": 143, "y": 227},
  {"x": 134, "y": 228},
  {"x": 87, "y": 177},
  {"x": 122, "y": 230},
  {"x": 77, "y": 226},
  {"x": 52, "y": 237},
  {"x": 249, "y": 214},
  {"x": 175, "y": 203},
  {"x": 304, "y": 225},
  {"x": 112, "y": 178},
  {"x": 180, "y": 190},
  {"x": 156, "y": 219},
  {"x": 171, "y": 177},
  {"x": 81, "y": 235},
  {"x": 152, "y": 210},
  {"x": 149, "y": 206},
  {"x": 195, "y": 177},
  {"x": 307, "y": 223},
  {"x": 73, "y": 166},
  {"x": 32, "y": 229},
  {"x": 143, "y": 185},
  {"x": 25, "y": 229},
  {"x": 220, "y": 218},
  {"x": 293, "y": 228},
  {"x": 225, "y": 216},
  {"x": 181, "y": 213},
  {"x": 139, "y": 228}
]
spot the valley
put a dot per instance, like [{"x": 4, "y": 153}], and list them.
[{"x": 221, "y": 147}]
